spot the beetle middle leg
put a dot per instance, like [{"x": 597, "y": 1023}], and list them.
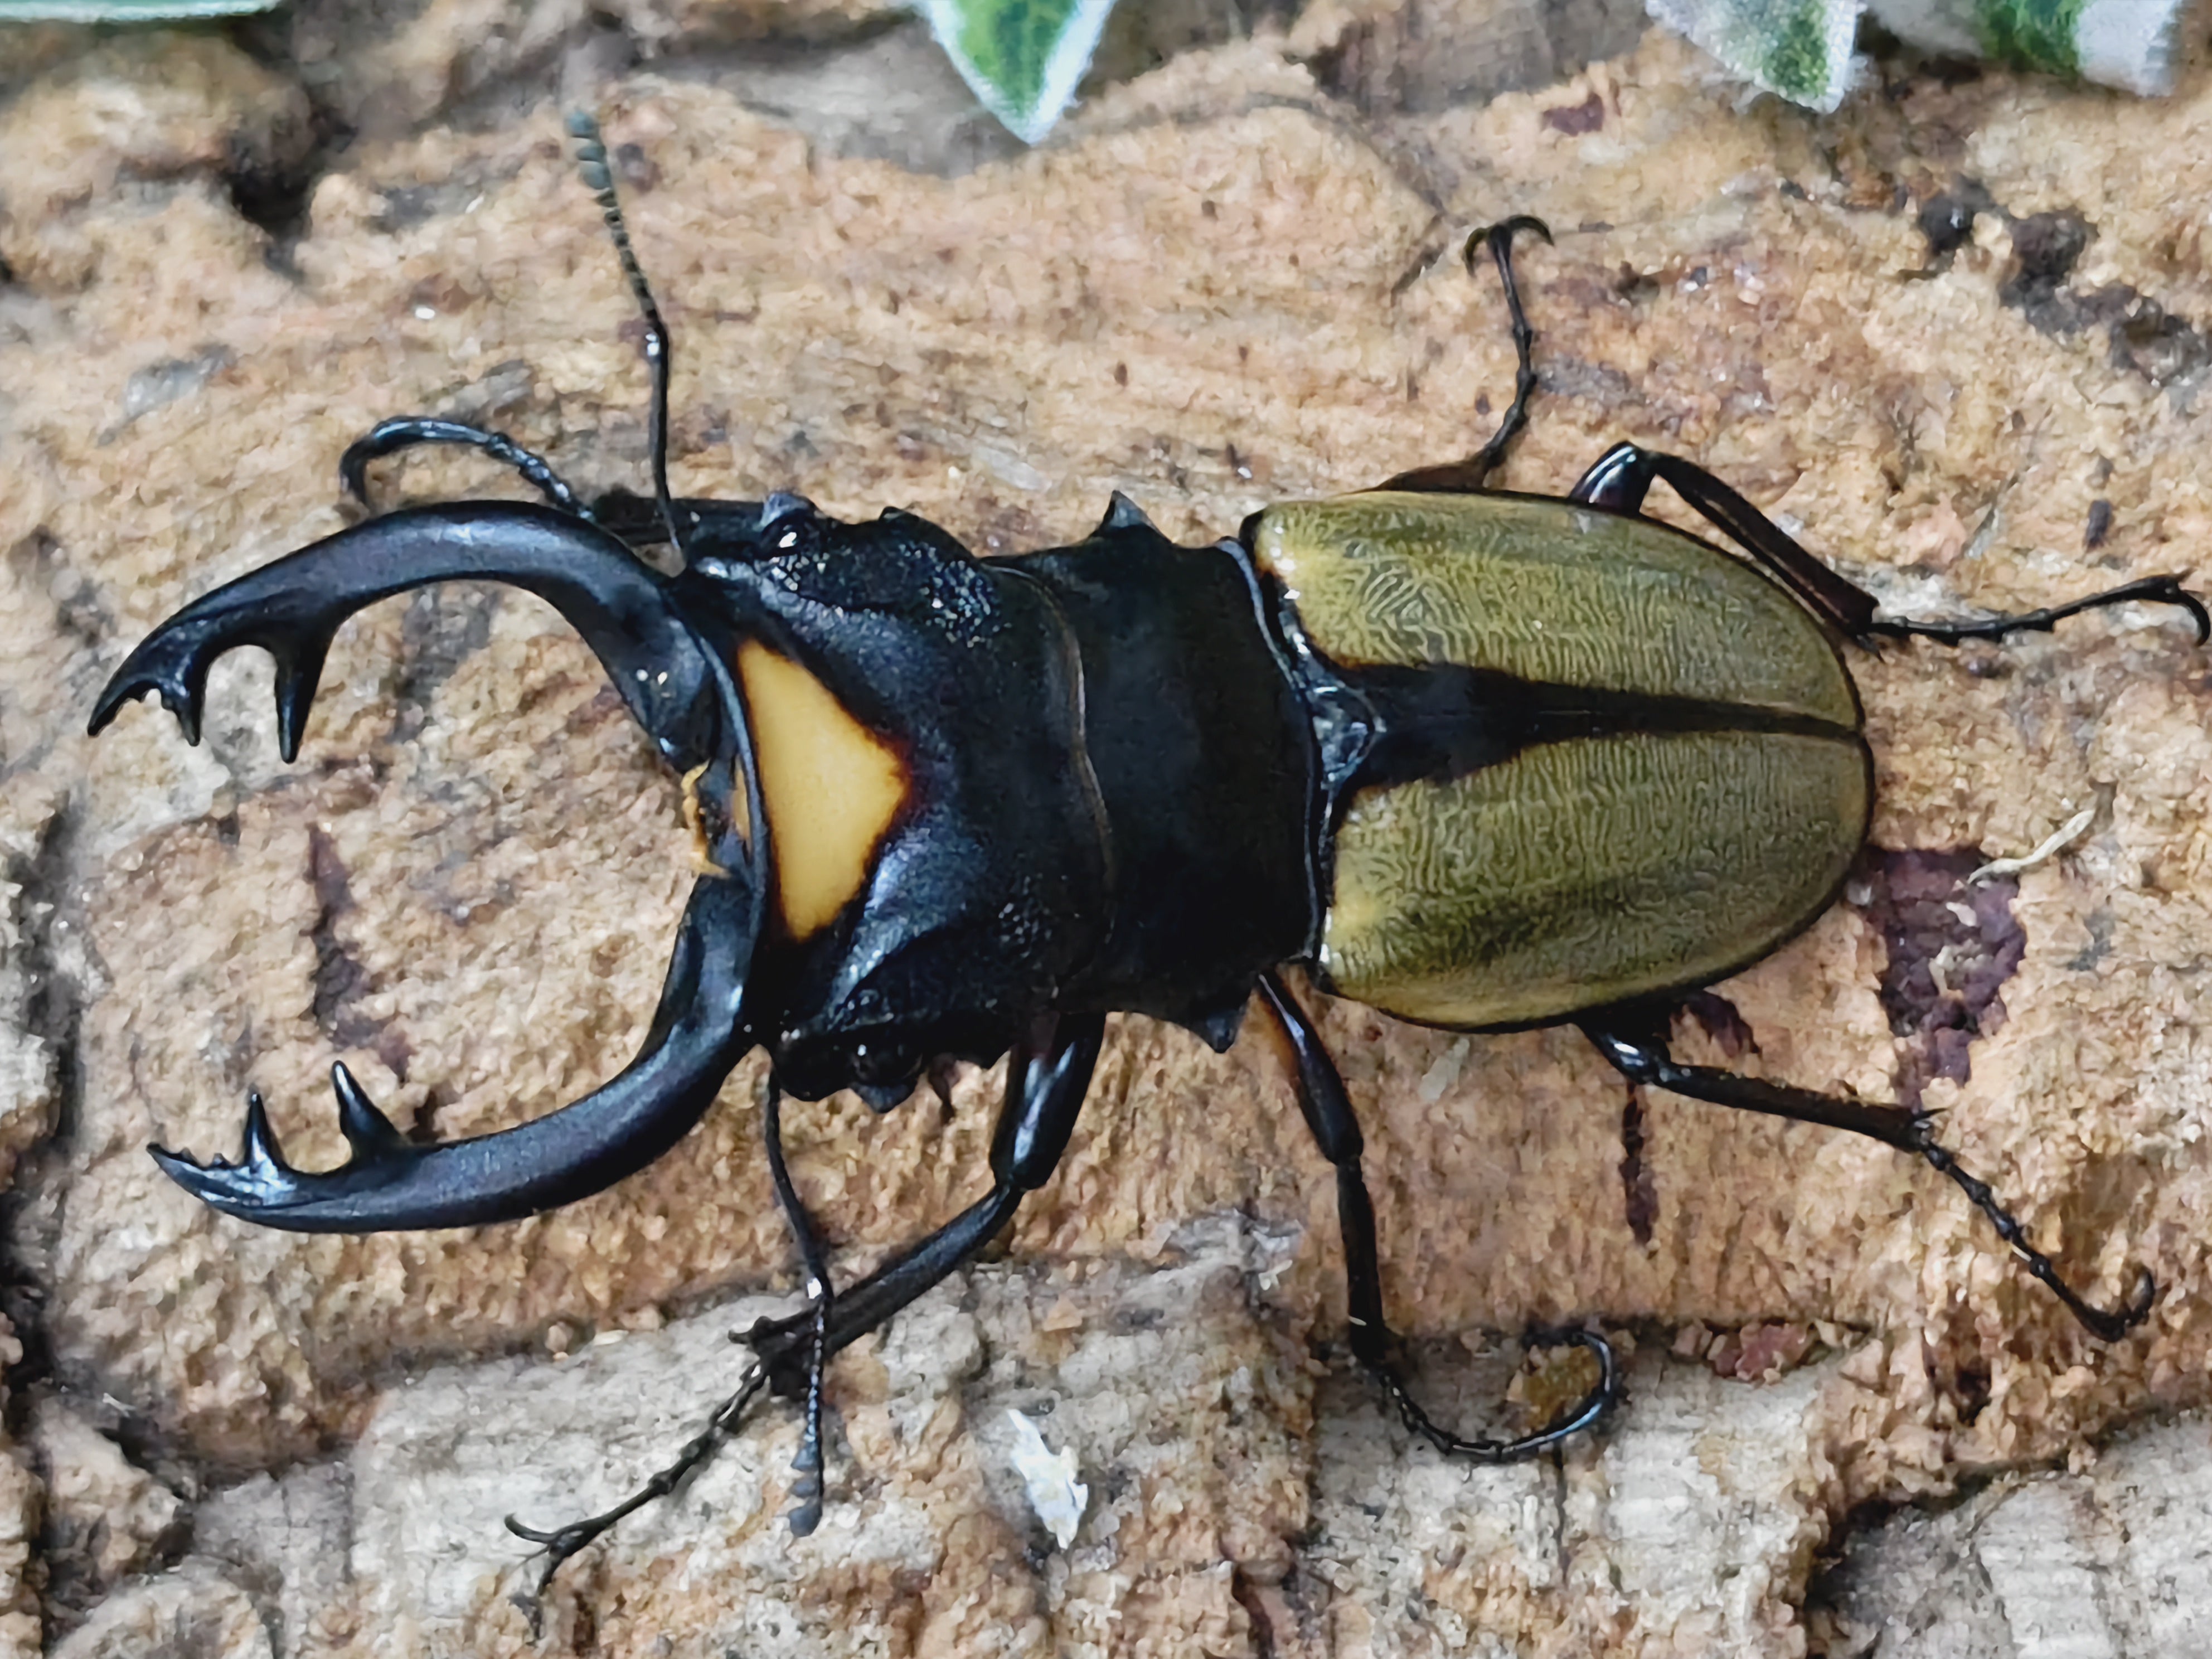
[
  {"x": 1328, "y": 1115},
  {"x": 1624, "y": 475},
  {"x": 1634, "y": 1040},
  {"x": 1454, "y": 478}
]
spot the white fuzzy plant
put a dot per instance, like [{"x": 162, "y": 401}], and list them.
[
  {"x": 1801, "y": 49},
  {"x": 1023, "y": 59}
]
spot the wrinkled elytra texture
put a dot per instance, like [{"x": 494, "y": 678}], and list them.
[
  {"x": 1217, "y": 289},
  {"x": 1731, "y": 841}
]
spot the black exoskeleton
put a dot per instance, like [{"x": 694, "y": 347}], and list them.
[{"x": 1481, "y": 760}]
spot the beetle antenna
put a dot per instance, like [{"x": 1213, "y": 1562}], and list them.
[{"x": 598, "y": 178}]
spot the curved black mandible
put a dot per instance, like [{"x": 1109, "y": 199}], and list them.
[
  {"x": 681, "y": 693},
  {"x": 292, "y": 606}
]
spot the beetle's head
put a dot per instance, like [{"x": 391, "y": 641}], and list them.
[
  {"x": 904, "y": 850},
  {"x": 901, "y": 847},
  {"x": 933, "y": 842}
]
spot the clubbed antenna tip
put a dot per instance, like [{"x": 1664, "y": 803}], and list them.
[{"x": 598, "y": 174}]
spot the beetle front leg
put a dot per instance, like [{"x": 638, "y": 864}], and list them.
[
  {"x": 405, "y": 431},
  {"x": 1634, "y": 1040},
  {"x": 806, "y": 1507},
  {"x": 1047, "y": 1079},
  {"x": 1328, "y": 1115},
  {"x": 1624, "y": 475}
]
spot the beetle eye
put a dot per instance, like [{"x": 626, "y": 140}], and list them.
[
  {"x": 884, "y": 1071},
  {"x": 781, "y": 504}
]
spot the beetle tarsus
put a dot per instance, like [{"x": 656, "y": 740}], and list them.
[
  {"x": 806, "y": 1514},
  {"x": 405, "y": 431},
  {"x": 1473, "y": 472},
  {"x": 2146, "y": 590},
  {"x": 1634, "y": 1039},
  {"x": 1587, "y": 1413},
  {"x": 1328, "y": 1112},
  {"x": 559, "y": 1544},
  {"x": 2107, "y": 1325}
]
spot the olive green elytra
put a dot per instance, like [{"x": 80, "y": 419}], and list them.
[{"x": 1582, "y": 872}]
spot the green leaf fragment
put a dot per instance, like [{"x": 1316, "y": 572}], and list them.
[
  {"x": 1796, "y": 62},
  {"x": 1801, "y": 49},
  {"x": 122, "y": 11},
  {"x": 1021, "y": 59},
  {"x": 2038, "y": 34}
]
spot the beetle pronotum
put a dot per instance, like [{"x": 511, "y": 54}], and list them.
[{"x": 1480, "y": 760}]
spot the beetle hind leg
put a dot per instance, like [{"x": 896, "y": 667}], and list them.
[
  {"x": 1634, "y": 1041},
  {"x": 1328, "y": 1115},
  {"x": 1624, "y": 475}
]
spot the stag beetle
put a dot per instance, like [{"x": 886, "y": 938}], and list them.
[{"x": 1481, "y": 760}]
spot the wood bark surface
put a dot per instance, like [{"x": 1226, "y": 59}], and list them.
[{"x": 1955, "y": 336}]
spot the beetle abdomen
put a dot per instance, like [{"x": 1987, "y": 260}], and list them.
[{"x": 1607, "y": 759}]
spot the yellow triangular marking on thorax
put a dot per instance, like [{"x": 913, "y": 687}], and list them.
[{"x": 830, "y": 786}]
